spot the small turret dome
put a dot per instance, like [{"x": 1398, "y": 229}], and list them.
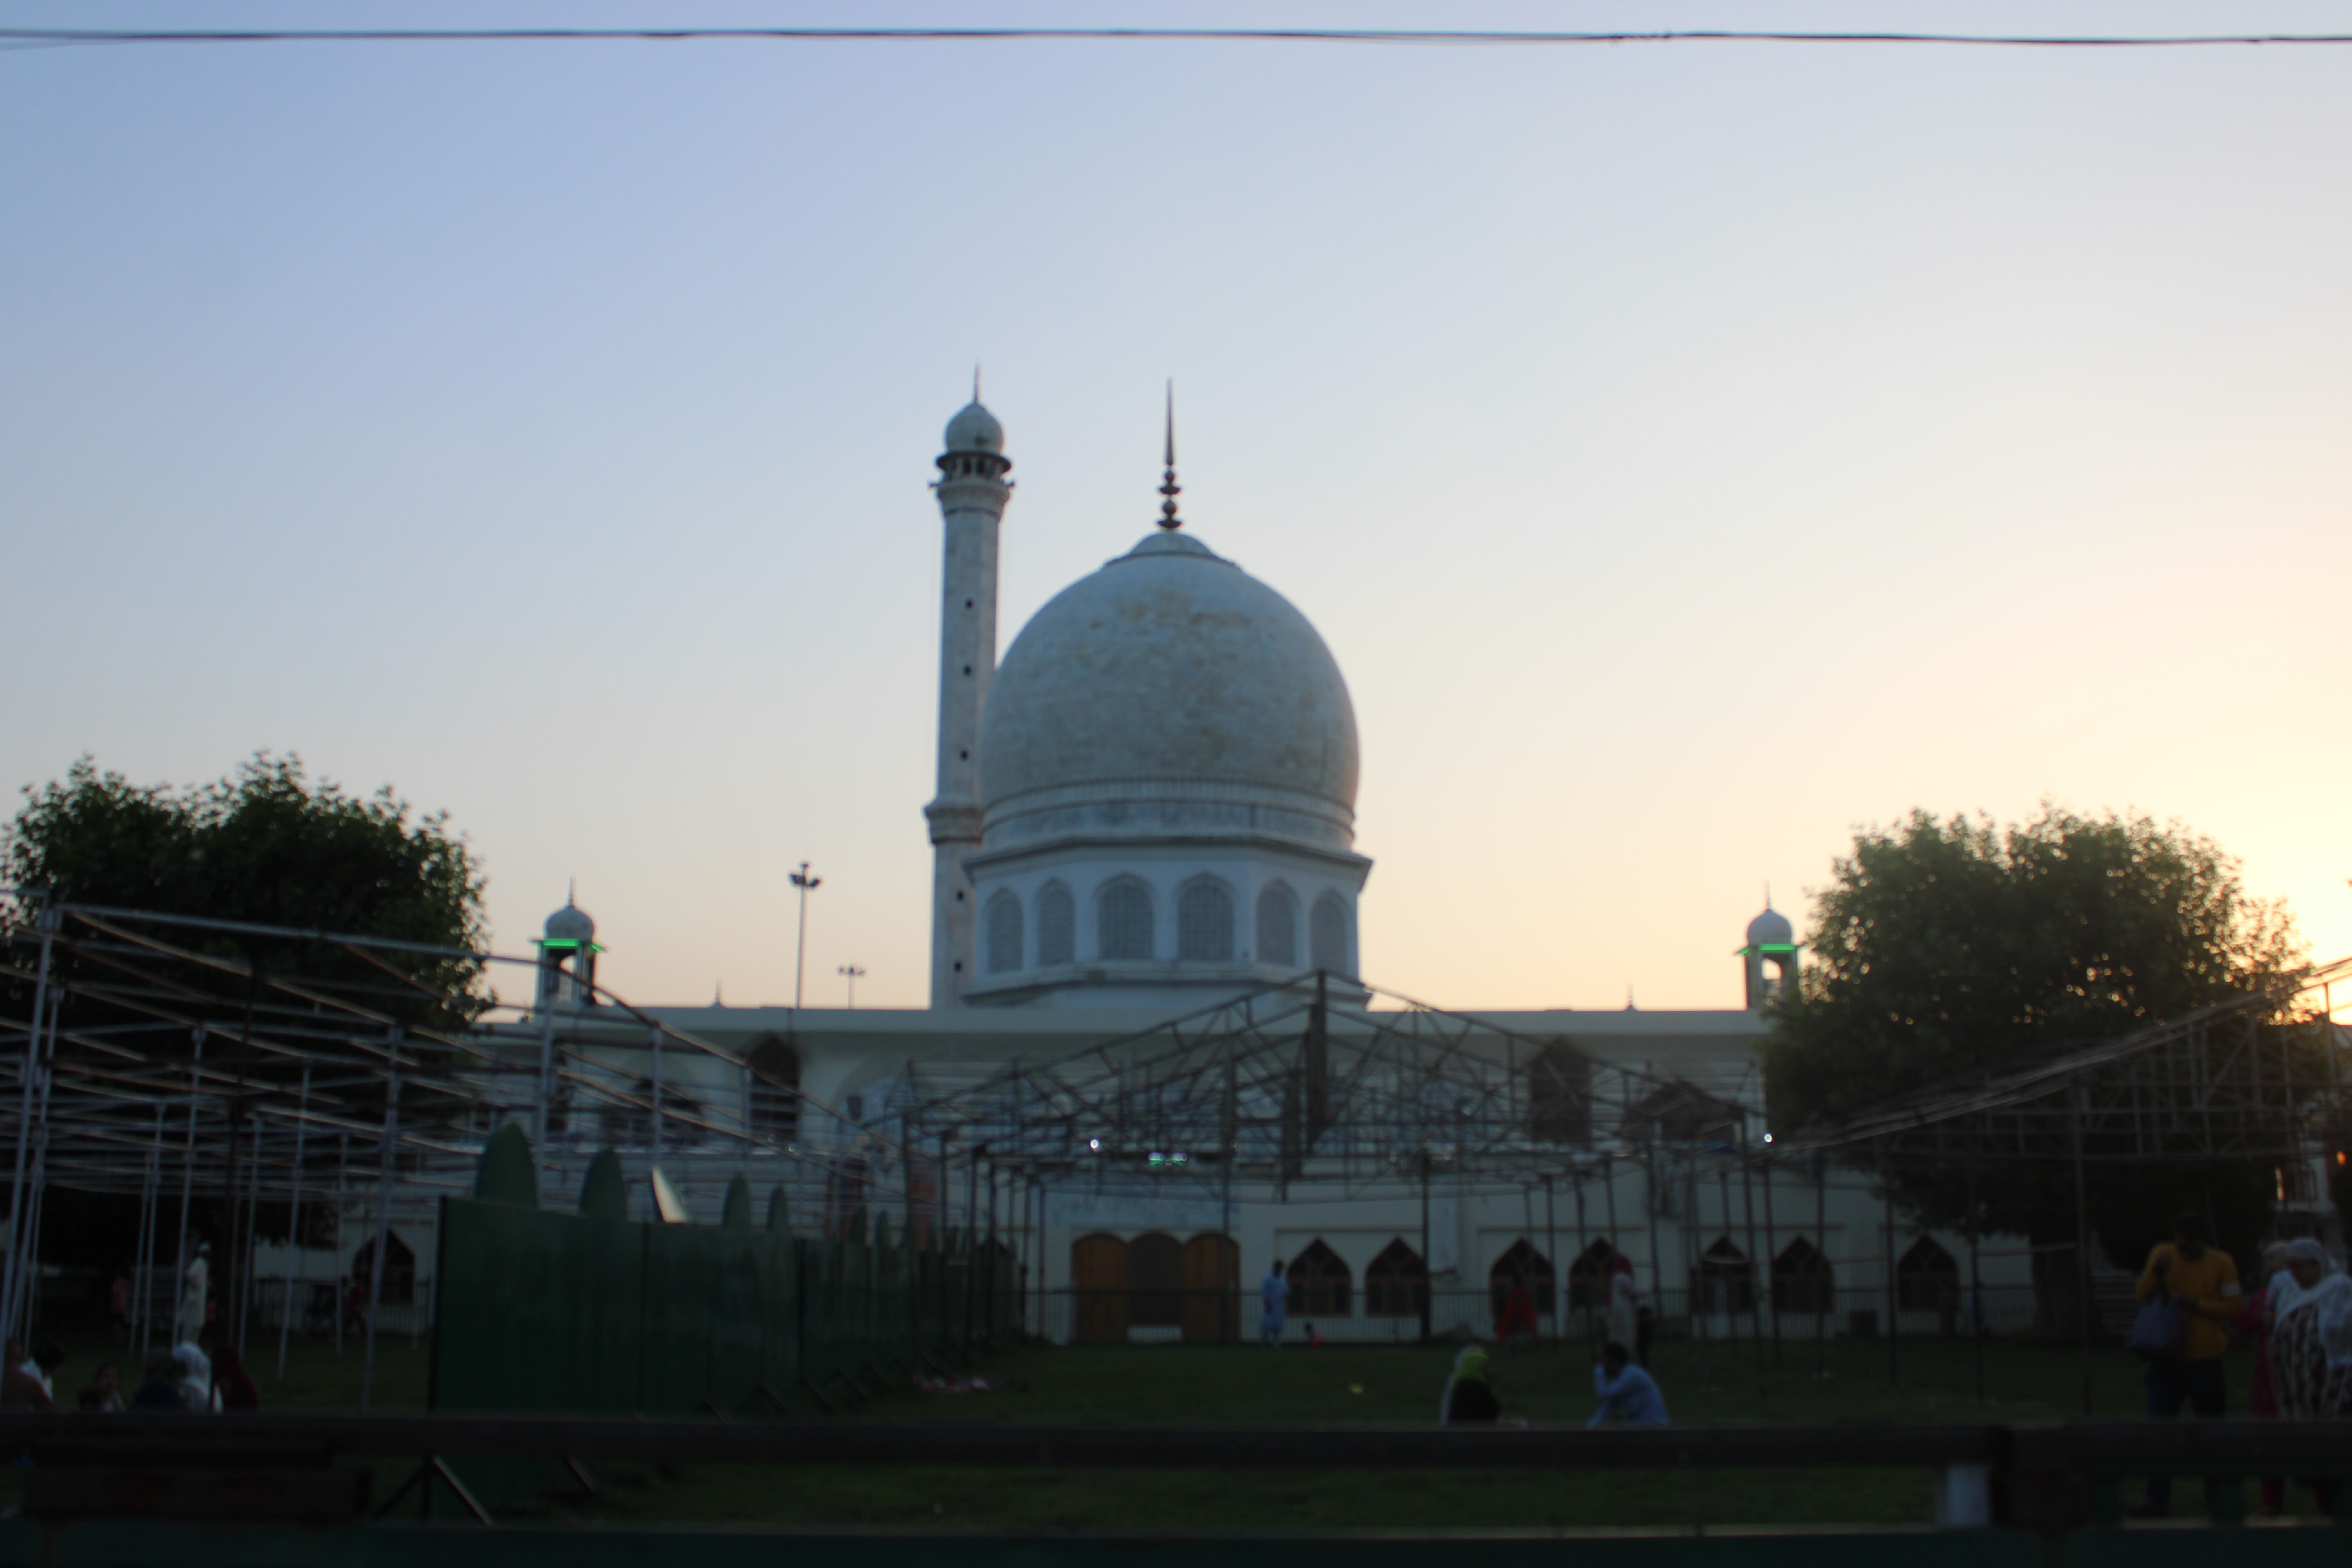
[
  {"x": 975, "y": 429},
  {"x": 570, "y": 923},
  {"x": 1771, "y": 929}
]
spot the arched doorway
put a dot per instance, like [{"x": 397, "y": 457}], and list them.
[
  {"x": 1519, "y": 1261},
  {"x": 399, "y": 1270},
  {"x": 1927, "y": 1279},
  {"x": 1212, "y": 1281},
  {"x": 1099, "y": 1290},
  {"x": 1396, "y": 1284},
  {"x": 1801, "y": 1281},
  {"x": 1588, "y": 1277},
  {"x": 1155, "y": 1281},
  {"x": 1322, "y": 1283},
  {"x": 1725, "y": 1282}
]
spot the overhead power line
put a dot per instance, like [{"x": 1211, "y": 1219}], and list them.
[{"x": 66, "y": 37}]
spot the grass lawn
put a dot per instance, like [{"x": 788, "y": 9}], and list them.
[{"x": 1203, "y": 1387}]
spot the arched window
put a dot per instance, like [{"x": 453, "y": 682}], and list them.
[
  {"x": 1588, "y": 1277},
  {"x": 1559, "y": 1095},
  {"x": 1522, "y": 1261},
  {"x": 1926, "y": 1278},
  {"x": 1004, "y": 933},
  {"x": 1395, "y": 1283},
  {"x": 1278, "y": 927},
  {"x": 399, "y": 1269},
  {"x": 1801, "y": 1281},
  {"x": 1058, "y": 925},
  {"x": 1155, "y": 1280},
  {"x": 1327, "y": 939},
  {"x": 1204, "y": 924},
  {"x": 775, "y": 1072},
  {"x": 1726, "y": 1283},
  {"x": 1123, "y": 918},
  {"x": 1321, "y": 1284}
]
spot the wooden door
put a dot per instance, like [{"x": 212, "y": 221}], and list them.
[
  {"x": 1099, "y": 1290},
  {"x": 1213, "y": 1277}
]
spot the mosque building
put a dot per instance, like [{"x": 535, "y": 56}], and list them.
[{"x": 1145, "y": 810}]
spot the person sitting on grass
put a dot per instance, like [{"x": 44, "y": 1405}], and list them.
[
  {"x": 1626, "y": 1391},
  {"x": 28, "y": 1383},
  {"x": 162, "y": 1389},
  {"x": 1469, "y": 1395},
  {"x": 229, "y": 1376},
  {"x": 196, "y": 1390},
  {"x": 104, "y": 1393}
]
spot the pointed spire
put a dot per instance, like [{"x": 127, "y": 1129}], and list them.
[
  {"x": 1168, "y": 488},
  {"x": 571, "y": 893},
  {"x": 975, "y": 381}
]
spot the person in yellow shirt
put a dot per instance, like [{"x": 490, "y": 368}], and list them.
[{"x": 2203, "y": 1279}]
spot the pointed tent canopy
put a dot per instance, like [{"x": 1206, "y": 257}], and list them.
[
  {"x": 507, "y": 1173},
  {"x": 605, "y": 1193},
  {"x": 737, "y": 1215}
]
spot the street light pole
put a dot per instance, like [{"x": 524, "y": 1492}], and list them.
[
  {"x": 803, "y": 882},
  {"x": 854, "y": 974}
]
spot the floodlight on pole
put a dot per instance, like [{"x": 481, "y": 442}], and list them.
[
  {"x": 803, "y": 882},
  {"x": 854, "y": 974}
]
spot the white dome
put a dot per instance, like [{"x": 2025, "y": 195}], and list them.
[
  {"x": 570, "y": 923},
  {"x": 1770, "y": 929},
  {"x": 1172, "y": 669},
  {"x": 975, "y": 429}
]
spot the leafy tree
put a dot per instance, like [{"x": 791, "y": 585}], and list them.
[
  {"x": 1945, "y": 947},
  {"x": 264, "y": 845}
]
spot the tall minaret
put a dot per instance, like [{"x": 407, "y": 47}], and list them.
[{"x": 972, "y": 492}]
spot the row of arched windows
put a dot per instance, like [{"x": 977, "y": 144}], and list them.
[{"x": 1126, "y": 926}]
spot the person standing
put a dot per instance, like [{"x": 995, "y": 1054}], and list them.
[
  {"x": 1515, "y": 1325},
  {"x": 117, "y": 1302},
  {"x": 162, "y": 1389},
  {"x": 104, "y": 1394},
  {"x": 1273, "y": 1301},
  {"x": 2311, "y": 1346},
  {"x": 195, "y": 1291},
  {"x": 1624, "y": 1301},
  {"x": 2202, "y": 1281},
  {"x": 2262, "y": 1401}
]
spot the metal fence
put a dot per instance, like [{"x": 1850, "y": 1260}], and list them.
[{"x": 1077, "y": 1315}]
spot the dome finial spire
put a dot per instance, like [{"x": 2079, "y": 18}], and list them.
[
  {"x": 1168, "y": 488},
  {"x": 975, "y": 381}
]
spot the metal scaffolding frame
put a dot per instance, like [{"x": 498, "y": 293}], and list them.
[
  {"x": 349, "y": 1072},
  {"x": 366, "y": 1074}
]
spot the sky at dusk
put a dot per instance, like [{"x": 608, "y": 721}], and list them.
[{"x": 1690, "y": 452}]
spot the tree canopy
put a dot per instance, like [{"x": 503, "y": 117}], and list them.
[
  {"x": 1944, "y": 946},
  {"x": 268, "y": 846}
]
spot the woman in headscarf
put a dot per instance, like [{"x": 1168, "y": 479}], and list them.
[
  {"x": 2311, "y": 1341},
  {"x": 2262, "y": 1401},
  {"x": 229, "y": 1376},
  {"x": 1469, "y": 1396}
]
